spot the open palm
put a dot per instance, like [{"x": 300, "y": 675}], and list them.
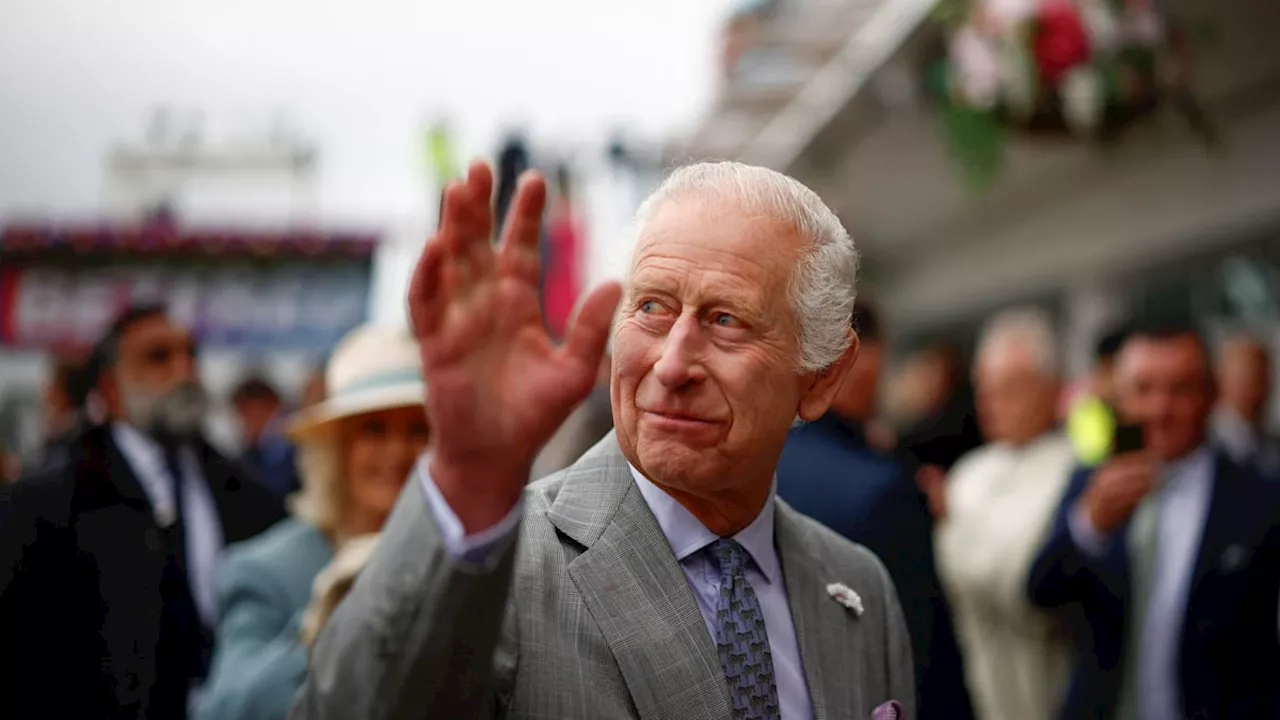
[{"x": 497, "y": 386}]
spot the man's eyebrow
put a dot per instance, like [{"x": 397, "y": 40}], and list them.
[{"x": 644, "y": 285}]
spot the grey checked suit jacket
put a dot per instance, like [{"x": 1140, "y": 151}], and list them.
[{"x": 587, "y": 617}]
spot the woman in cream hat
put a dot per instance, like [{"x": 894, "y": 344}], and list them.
[{"x": 356, "y": 449}]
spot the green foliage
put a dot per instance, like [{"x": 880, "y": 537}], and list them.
[
  {"x": 950, "y": 13},
  {"x": 1131, "y": 89},
  {"x": 975, "y": 140}
]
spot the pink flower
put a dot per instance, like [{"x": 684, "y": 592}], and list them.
[{"x": 976, "y": 66}]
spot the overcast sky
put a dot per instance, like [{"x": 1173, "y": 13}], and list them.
[{"x": 362, "y": 76}]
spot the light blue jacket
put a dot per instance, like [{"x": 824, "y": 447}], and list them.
[{"x": 264, "y": 587}]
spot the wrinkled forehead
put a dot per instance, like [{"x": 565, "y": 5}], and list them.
[
  {"x": 1005, "y": 359},
  {"x": 1150, "y": 359},
  {"x": 710, "y": 232}
]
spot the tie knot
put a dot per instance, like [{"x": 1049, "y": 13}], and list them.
[{"x": 730, "y": 555}]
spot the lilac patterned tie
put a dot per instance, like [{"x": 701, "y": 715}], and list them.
[{"x": 741, "y": 638}]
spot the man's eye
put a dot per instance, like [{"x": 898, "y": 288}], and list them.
[
  {"x": 724, "y": 320},
  {"x": 649, "y": 306}
]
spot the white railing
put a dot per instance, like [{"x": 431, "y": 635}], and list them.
[{"x": 888, "y": 23}]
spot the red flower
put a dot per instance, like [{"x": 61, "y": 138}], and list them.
[{"x": 1061, "y": 41}]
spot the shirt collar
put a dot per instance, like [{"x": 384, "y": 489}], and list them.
[
  {"x": 1199, "y": 463},
  {"x": 275, "y": 429},
  {"x": 137, "y": 446},
  {"x": 687, "y": 535}
]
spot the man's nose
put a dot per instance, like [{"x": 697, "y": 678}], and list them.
[
  {"x": 1161, "y": 406},
  {"x": 680, "y": 362},
  {"x": 185, "y": 366}
]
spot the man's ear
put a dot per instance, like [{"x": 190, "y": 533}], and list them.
[
  {"x": 109, "y": 389},
  {"x": 826, "y": 383}
]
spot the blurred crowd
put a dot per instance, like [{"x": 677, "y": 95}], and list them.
[
  {"x": 1067, "y": 553},
  {"x": 1054, "y": 555}
]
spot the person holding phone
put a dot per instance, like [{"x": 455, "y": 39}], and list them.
[{"x": 1167, "y": 555}]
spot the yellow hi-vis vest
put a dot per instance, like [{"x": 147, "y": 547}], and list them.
[{"x": 1091, "y": 427}]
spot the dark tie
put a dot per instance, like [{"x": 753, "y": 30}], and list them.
[
  {"x": 177, "y": 530},
  {"x": 179, "y": 602},
  {"x": 741, "y": 637}
]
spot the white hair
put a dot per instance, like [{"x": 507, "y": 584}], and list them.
[
  {"x": 1029, "y": 329},
  {"x": 824, "y": 282}
]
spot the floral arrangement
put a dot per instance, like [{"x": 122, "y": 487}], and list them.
[{"x": 1081, "y": 67}]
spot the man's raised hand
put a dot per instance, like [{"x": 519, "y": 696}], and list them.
[{"x": 497, "y": 386}]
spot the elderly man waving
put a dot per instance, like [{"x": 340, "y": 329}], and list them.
[{"x": 658, "y": 577}]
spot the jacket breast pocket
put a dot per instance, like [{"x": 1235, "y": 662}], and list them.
[{"x": 1227, "y": 599}]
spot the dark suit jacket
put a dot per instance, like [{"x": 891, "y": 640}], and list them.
[
  {"x": 830, "y": 473},
  {"x": 80, "y": 572},
  {"x": 1230, "y": 653},
  {"x": 945, "y": 436}
]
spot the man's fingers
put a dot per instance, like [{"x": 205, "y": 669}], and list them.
[
  {"x": 458, "y": 255},
  {"x": 1131, "y": 460},
  {"x": 589, "y": 330},
  {"x": 467, "y": 255},
  {"x": 480, "y": 190},
  {"x": 522, "y": 231},
  {"x": 480, "y": 182},
  {"x": 426, "y": 304},
  {"x": 456, "y": 216},
  {"x": 480, "y": 254},
  {"x": 467, "y": 218}
]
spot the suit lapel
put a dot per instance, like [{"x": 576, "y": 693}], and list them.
[
  {"x": 104, "y": 475},
  {"x": 1219, "y": 524},
  {"x": 223, "y": 486},
  {"x": 827, "y": 634},
  {"x": 637, "y": 593}
]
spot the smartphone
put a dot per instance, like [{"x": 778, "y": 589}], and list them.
[{"x": 1127, "y": 439}]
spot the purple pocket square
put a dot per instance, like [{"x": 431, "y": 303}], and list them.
[{"x": 891, "y": 710}]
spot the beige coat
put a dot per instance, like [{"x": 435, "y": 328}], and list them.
[
  {"x": 1000, "y": 504},
  {"x": 333, "y": 583}
]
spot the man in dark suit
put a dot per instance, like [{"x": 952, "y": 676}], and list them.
[
  {"x": 1167, "y": 560},
  {"x": 108, "y": 557},
  {"x": 831, "y": 473}
]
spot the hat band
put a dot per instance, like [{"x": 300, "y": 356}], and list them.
[{"x": 374, "y": 382}]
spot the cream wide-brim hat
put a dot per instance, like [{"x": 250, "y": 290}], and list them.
[{"x": 371, "y": 369}]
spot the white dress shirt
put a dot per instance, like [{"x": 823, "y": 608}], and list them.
[
  {"x": 202, "y": 527},
  {"x": 1185, "y": 491},
  {"x": 688, "y": 537}
]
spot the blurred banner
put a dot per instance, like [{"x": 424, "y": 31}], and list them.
[
  {"x": 235, "y": 305},
  {"x": 60, "y": 290}
]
